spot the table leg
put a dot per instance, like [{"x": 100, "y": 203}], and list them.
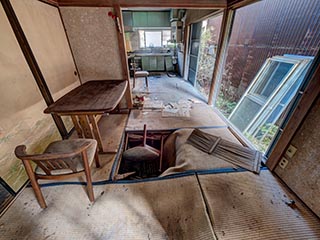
[
  {"x": 85, "y": 126},
  {"x": 96, "y": 132},
  {"x": 77, "y": 126}
]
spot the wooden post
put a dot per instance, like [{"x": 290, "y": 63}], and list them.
[
  {"x": 123, "y": 53},
  {"x": 185, "y": 54},
  {"x": 226, "y": 26}
]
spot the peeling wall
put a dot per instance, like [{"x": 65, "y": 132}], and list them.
[
  {"x": 93, "y": 39},
  {"x": 22, "y": 120},
  {"x": 302, "y": 174}
]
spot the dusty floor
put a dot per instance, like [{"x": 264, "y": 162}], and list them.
[
  {"x": 237, "y": 205},
  {"x": 166, "y": 89},
  {"x": 224, "y": 204}
]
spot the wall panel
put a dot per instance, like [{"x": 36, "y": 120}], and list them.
[
  {"x": 44, "y": 30},
  {"x": 21, "y": 106},
  {"x": 93, "y": 38},
  {"x": 302, "y": 174}
]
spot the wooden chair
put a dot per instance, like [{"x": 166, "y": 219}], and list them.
[
  {"x": 61, "y": 160},
  {"x": 137, "y": 73}
]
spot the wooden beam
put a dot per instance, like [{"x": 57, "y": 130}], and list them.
[
  {"x": 185, "y": 53},
  {"x": 234, "y": 4},
  {"x": 85, "y": 3},
  {"x": 32, "y": 63},
  {"x": 304, "y": 104},
  {"x": 50, "y": 2},
  {"x": 224, "y": 36},
  {"x": 123, "y": 54},
  {"x": 205, "y": 4}
]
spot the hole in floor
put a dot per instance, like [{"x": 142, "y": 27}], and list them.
[{"x": 139, "y": 161}]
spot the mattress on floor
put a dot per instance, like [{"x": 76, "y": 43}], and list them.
[{"x": 180, "y": 156}]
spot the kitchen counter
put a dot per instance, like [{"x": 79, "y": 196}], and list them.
[
  {"x": 149, "y": 55},
  {"x": 152, "y": 61}
]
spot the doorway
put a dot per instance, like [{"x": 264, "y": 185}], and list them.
[
  {"x": 194, "y": 51},
  {"x": 204, "y": 38}
]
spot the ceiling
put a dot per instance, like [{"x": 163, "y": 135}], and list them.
[{"x": 205, "y": 4}]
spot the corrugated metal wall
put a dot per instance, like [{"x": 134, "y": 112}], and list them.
[{"x": 266, "y": 29}]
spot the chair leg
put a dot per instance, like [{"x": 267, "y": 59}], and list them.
[
  {"x": 147, "y": 82},
  {"x": 88, "y": 176},
  {"x": 96, "y": 159},
  {"x": 34, "y": 184},
  {"x": 134, "y": 81}
]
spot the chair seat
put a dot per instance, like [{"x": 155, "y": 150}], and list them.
[
  {"x": 141, "y": 73},
  {"x": 70, "y": 146}
]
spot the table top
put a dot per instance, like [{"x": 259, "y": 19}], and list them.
[{"x": 93, "y": 97}]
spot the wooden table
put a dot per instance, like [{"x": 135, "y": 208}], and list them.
[{"x": 87, "y": 101}]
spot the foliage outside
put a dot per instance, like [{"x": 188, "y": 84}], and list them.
[
  {"x": 225, "y": 105},
  {"x": 263, "y": 138}
]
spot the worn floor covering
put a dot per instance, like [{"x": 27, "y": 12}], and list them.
[
  {"x": 167, "y": 89},
  {"x": 239, "y": 206},
  {"x": 167, "y": 209},
  {"x": 249, "y": 206},
  {"x": 171, "y": 90}
]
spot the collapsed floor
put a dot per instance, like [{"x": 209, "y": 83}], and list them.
[{"x": 220, "y": 203}]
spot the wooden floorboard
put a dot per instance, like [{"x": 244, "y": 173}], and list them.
[
  {"x": 200, "y": 115},
  {"x": 111, "y": 129}
]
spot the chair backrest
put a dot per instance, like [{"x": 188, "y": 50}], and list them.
[
  {"x": 134, "y": 66},
  {"x": 50, "y": 162},
  {"x": 48, "y": 166}
]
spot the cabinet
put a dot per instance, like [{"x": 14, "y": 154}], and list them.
[
  {"x": 140, "y": 19},
  {"x": 150, "y": 19},
  {"x": 153, "y": 63}
]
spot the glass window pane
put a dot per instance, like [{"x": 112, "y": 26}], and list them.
[
  {"x": 153, "y": 39},
  {"x": 245, "y": 113},
  {"x": 275, "y": 73},
  {"x": 166, "y": 36},
  {"x": 141, "y": 39},
  {"x": 264, "y": 31},
  {"x": 195, "y": 48},
  {"x": 207, "y": 53}
]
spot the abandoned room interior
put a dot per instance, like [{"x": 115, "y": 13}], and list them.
[{"x": 159, "y": 119}]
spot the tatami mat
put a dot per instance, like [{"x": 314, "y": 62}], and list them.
[
  {"x": 248, "y": 206},
  {"x": 166, "y": 209}
]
